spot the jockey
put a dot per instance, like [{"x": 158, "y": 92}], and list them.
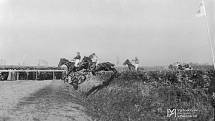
[
  {"x": 94, "y": 59},
  {"x": 136, "y": 63},
  {"x": 77, "y": 59}
]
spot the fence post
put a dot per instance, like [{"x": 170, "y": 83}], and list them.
[
  {"x": 17, "y": 75},
  {"x": 27, "y": 74},
  {"x": 53, "y": 75}
]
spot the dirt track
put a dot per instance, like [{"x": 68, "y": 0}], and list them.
[{"x": 39, "y": 101}]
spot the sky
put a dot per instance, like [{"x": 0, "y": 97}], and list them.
[{"x": 158, "y": 32}]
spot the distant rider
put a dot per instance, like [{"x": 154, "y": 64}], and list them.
[
  {"x": 94, "y": 59},
  {"x": 179, "y": 66},
  {"x": 77, "y": 59},
  {"x": 136, "y": 63}
]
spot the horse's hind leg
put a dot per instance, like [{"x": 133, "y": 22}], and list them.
[
  {"x": 65, "y": 80},
  {"x": 133, "y": 68}
]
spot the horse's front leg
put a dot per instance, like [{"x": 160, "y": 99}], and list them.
[
  {"x": 95, "y": 69},
  {"x": 129, "y": 67},
  {"x": 93, "y": 72}
]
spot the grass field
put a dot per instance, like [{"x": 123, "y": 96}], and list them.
[
  {"x": 146, "y": 96},
  {"x": 48, "y": 100},
  {"x": 11, "y": 92}
]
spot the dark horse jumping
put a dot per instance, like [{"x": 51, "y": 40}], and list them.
[
  {"x": 90, "y": 66},
  {"x": 76, "y": 78},
  {"x": 70, "y": 65},
  {"x": 131, "y": 67},
  {"x": 87, "y": 65},
  {"x": 105, "y": 66}
]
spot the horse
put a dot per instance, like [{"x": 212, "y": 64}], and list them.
[
  {"x": 87, "y": 64},
  {"x": 180, "y": 67},
  {"x": 105, "y": 66},
  {"x": 187, "y": 67},
  {"x": 131, "y": 67},
  {"x": 70, "y": 65}
]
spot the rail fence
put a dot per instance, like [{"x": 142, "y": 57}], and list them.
[{"x": 12, "y": 75}]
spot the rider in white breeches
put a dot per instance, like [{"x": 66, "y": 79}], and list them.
[
  {"x": 77, "y": 59},
  {"x": 136, "y": 63},
  {"x": 94, "y": 58}
]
